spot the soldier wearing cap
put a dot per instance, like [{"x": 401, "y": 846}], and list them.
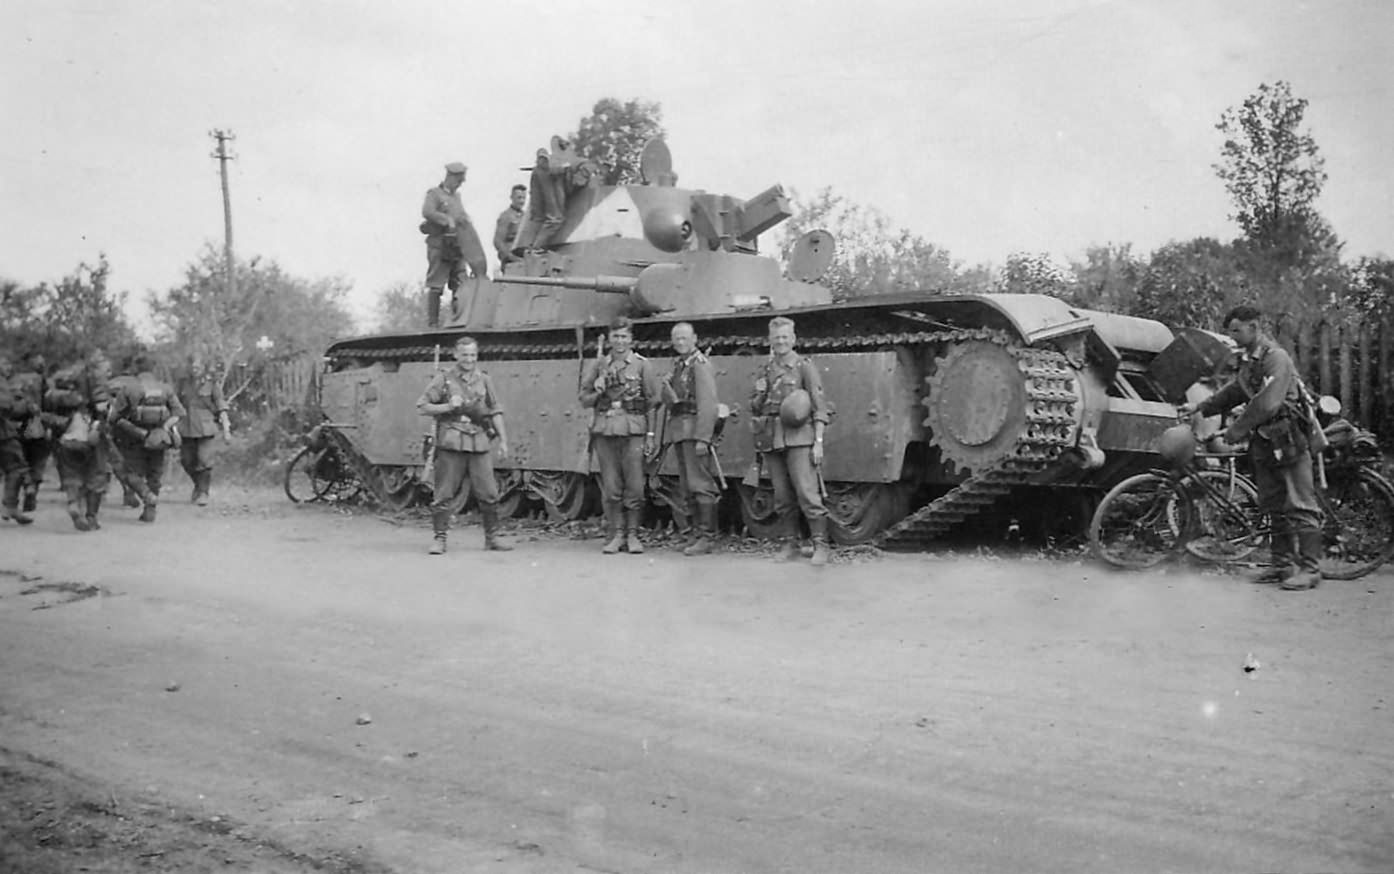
[
  {"x": 201, "y": 392},
  {"x": 789, "y": 415},
  {"x": 468, "y": 418},
  {"x": 506, "y": 227},
  {"x": 689, "y": 395},
  {"x": 623, "y": 391},
  {"x": 452, "y": 244}
]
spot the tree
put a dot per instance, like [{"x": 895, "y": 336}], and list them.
[
  {"x": 1192, "y": 284},
  {"x": 871, "y": 257},
  {"x": 1270, "y": 166},
  {"x": 398, "y": 308},
  {"x": 1033, "y": 273},
  {"x": 272, "y": 317},
  {"x": 67, "y": 320},
  {"x": 1107, "y": 279},
  {"x": 614, "y": 134}
]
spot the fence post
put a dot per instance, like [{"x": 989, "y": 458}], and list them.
[
  {"x": 1366, "y": 394},
  {"x": 1324, "y": 357},
  {"x": 1347, "y": 383}
]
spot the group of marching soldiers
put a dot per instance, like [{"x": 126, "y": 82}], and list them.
[
  {"x": 97, "y": 425},
  {"x": 627, "y": 395}
]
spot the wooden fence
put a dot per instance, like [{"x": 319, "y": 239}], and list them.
[
  {"x": 290, "y": 383},
  {"x": 1353, "y": 360}
]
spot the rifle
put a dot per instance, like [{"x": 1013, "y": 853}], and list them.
[
  {"x": 599, "y": 363},
  {"x": 428, "y": 472}
]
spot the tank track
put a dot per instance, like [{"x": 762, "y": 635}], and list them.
[
  {"x": 1050, "y": 400},
  {"x": 1048, "y": 429}
]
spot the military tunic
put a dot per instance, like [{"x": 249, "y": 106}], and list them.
[
  {"x": 33, "y": 437},
  {"x": 138, "y": 414},
  {"x": 788, "y": 451},
  {"x": 448, "y": 252},
  {"x": 1268, "y": 385},
  {"x": 505, "y": 232},
  {"x": 464, "y": 438},
  {"x": 83, "y": 470},
  {"x": 690, "y": 397},
  {"x": 15, "y": 411},
  {"x": 205, "y": 407},
  {"x": 619, "y": 423}
]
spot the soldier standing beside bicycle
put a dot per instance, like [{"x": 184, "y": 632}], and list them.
[
  {"x": 1275, "y": 421},
  {"x": 468, "y": 417}
]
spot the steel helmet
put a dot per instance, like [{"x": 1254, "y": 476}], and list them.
[
  {"x": 1177, "y": 444},
  {"x": 796, "y": 409}
]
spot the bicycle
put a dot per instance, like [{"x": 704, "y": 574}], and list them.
[
  {"x": 1209, "y": 509},
  {"x": 320, "y": 472}
]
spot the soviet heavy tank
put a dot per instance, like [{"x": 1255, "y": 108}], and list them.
[{"x": 947, "y": 407}]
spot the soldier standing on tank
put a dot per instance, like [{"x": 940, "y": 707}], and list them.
[
  {"x": 145, "y": 418},
  {"x": 689, "y": 394},
  {"x": 452, "y": 244},
  {"x": 468, "y": 419},
  {"x": 75, "y": 408},
  {"x": 1276, "y": 414},
  {"x": 15, "y": 412},
  {"x": 506, "y": 227},
  {"x": 32, "y": 382},
  {"x": 789, "y": 415},
  {"x": 201, "y": 393},
  {"x": 624, "y": 392}
]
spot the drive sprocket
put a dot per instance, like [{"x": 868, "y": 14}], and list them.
[{"x": 977, "y": 404}]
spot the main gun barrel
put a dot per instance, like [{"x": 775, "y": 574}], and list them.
[{"x": 603, "y": 284}]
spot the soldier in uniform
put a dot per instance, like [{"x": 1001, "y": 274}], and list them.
[
  {"x": 32, "y": 382},
  {"x": 789, "y": 414},
  {"x": 1276, "y": 422},
  {"x": 468, "y": 418},
  {"x": 506, "y": 227},
  {"x": 15, "y": 412},
  {"x": 452, "y": 244},
  {"x": 145, "y": 418},
  {"x": 121, "y": 382},
  {"x": 689, "y": 394},
  {"x": 75, "y": 408},
  {"x": 201, "y": 393},
  {"x": 624, "y": 392}
]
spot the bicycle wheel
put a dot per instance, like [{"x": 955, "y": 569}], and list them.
[
  {"x": 1227, "y": 524},
  {"x": 1358, "y": 534},
  {"x": 300, "y": 484},
  {"x": 1139, "y": 522}
]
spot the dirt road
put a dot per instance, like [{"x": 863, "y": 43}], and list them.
[{"x": 269, "y": 688}]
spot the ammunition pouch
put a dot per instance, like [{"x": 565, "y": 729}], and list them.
[
  {"x": 683, "y": 408},
  {"x": 635, "y": 406},
  {"x": 1282, "y": 442},
  {"x": 763, "y": 429}
]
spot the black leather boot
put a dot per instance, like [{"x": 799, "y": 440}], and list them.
[
  {"x": 819, "y": 527},
  {"x": 433, "y": 307},
  {"x": 1310, "y": 545},
  {"x": 492, "y": 541},
  {"x": 440, "y": 523},
  {"x": 632, "y": 544},
  {"x": 705, "y": 518}
]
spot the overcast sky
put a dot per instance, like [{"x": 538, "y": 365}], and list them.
[{"x": 986, "y": 126}]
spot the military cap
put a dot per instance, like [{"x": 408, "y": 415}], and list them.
[{"x": 456, "y": 167}]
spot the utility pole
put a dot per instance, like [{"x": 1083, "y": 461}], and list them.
[{"x": 224, "y": 137}]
